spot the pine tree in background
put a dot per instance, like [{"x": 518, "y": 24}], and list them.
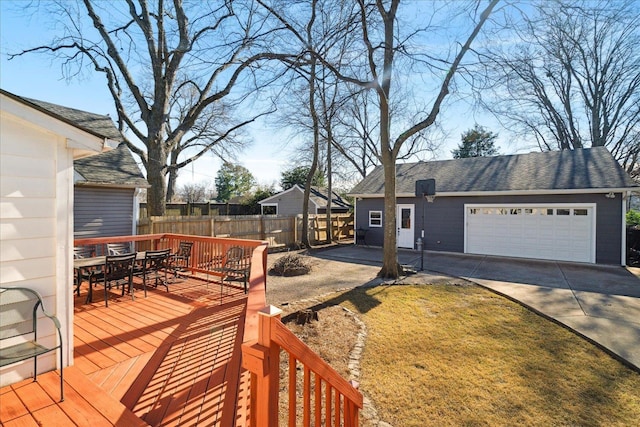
[{"x": 476, "y": 142}]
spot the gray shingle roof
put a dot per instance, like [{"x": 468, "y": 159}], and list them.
[
  {"x": 114, "y": 167},
  {"x": 319, "y": 196},
  {"x": 95, "y": 124},
  {"x": 592, "y": 168}
]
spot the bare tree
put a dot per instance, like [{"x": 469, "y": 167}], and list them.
[
  {"x": 193, "y": 192},
  {"x": 572, "y": 79},
  {"x": 381, "y": 43},
  {"x": 153, "y": 54}
]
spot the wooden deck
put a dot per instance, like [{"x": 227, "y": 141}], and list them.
[{"x": 172, "y": 358}]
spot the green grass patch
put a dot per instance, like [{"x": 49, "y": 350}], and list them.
[{"x": 462, "y": 356}]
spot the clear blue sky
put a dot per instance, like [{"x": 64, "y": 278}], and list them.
[{"x": 35, "y": 76}]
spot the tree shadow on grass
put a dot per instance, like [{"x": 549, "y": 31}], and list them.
[{"x": 362, "y": 300}]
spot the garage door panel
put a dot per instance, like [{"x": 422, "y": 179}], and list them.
[{"x": 554, "y": 232}]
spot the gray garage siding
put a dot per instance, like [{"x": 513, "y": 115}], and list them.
[
  {"x": 102, "y": 212},
  {"x": 444, "y": 220}
]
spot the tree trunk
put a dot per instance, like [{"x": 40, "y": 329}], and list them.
[
  {"x": 390, "y": 251},
  {"x": 156, "y": 194},
  {"x": 329, "y": 184},
  {"x": 173, "y": 177}
]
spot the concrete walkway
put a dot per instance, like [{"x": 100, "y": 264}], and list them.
[{"x": 601, "y": 303}]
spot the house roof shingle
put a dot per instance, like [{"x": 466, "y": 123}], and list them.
[
  {"x": 99, "y": 125},
  {"x": 592, "y": 168},
  {"x": 114, "y": 167}
]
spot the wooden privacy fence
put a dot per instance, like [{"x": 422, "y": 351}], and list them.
[{"x": 276, "y": 229}]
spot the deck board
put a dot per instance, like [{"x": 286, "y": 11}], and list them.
[{"x": 172, "y": 358}]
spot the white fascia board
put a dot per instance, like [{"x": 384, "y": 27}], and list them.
[
  {"x": 83, "y": 143},
  {"x": 77, "y": 139}
]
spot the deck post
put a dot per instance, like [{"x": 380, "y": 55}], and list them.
[{"x": 267, "y": 384}]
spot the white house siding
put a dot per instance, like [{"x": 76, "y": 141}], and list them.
[{"x": 36, "y": 179}]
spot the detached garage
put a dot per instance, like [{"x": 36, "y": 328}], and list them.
[
  {"x": 553, "y": 231},
  {"x": 567, "y": 205}
]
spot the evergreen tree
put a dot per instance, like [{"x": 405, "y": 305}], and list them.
[
  {"x": 233, "y": 180},
  {"x": 476, "y": 142}
]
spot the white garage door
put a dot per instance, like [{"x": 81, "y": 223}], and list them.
[{"x": 555, "y": 232}]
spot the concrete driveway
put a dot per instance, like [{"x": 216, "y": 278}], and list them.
[{"x": 601, "y": 303}]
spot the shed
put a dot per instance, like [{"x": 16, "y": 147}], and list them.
[
  {"x": 561, "y": 205},
  {"x": 290, "y": 201}
]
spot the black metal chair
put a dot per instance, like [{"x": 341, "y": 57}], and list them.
[
  {"x": 18, "y": 317},
  {"x": 118, "y": 270},
  {"x": 156, "y": 262},
  {"x": 118, "y": 248},
  {"x": 236, "y": 267},
  {"x": 81, "y": 252},
  {"x": 180, "y": 260}
]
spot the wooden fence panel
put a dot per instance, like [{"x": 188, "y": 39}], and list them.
[{"x": 277, "y": 230}]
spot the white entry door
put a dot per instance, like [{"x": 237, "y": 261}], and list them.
[{"x": 404, "y": 226}]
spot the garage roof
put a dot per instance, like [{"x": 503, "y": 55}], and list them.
[{"x": 553, "y": 171}]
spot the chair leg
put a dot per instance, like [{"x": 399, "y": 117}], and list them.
[
  {"x": 61, "y": 375},
  {"x": 106, "y": 294}
]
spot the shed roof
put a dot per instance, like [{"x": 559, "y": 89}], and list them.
[
  {"x": 583, "y": 169},
  {"x": 317, "y": 195}
]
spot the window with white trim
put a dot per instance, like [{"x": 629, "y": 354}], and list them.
[{"x": 375, "y": 218}]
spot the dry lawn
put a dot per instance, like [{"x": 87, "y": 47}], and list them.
[{"x": 451, "y": 355}]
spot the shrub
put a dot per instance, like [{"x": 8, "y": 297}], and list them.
[
  {"x": 633, "y": 218},
  {"x": 290, "y": 265}
]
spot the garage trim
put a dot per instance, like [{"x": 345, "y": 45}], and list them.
[{"x": 592, "y": 206}]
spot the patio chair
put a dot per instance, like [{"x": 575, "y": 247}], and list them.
[
  {"x": 156, "y": 262},
  {"x": 118, "y": 248},
  {"x": 18, "y": 318},
  {"x": 118, "y": 271},
  {"x": 236, "y": 268},
  {"x": 81, "y": 252},
  {"x": 180, "y": 260}
]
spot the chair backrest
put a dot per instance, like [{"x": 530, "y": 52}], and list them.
[
  {"x": 156, "y": 259},
  {"x": 236, "y": 259},
  {"x": 81, "y": 252},
  {"x": 119, "y": 266},
  {"x": 184, "y": 249},
  {"x": 18, "y": 308},
  {"x": 118, "y": 248},
  {"x": 234, "y": 254}
]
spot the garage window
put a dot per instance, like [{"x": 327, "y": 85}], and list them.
[
  {"x": 563, "y": 212},
  {"x": 375, "y": 218},
  {"x": 580, "y": 212}
]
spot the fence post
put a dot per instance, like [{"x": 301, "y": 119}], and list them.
[{"x": 268, "y": 384}]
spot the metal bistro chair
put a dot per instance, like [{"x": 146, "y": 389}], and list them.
[
  {"x": 118, "y": 248},
  {"x": 236, "y": 268},
  {"x": 154, "y": 263},
  {"x": 117, "y": 269},
  {"x": 82, "y": 252},
  {"x": 18, "y": 317},
  {"x": 180, "y": 260}
]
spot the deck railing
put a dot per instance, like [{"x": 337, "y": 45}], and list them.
[{"x": 326, "y": 397}]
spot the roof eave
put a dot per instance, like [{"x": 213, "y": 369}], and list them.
[
  {"x": 510, "y": 192},
  {"x": 111, "y": 185}
]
